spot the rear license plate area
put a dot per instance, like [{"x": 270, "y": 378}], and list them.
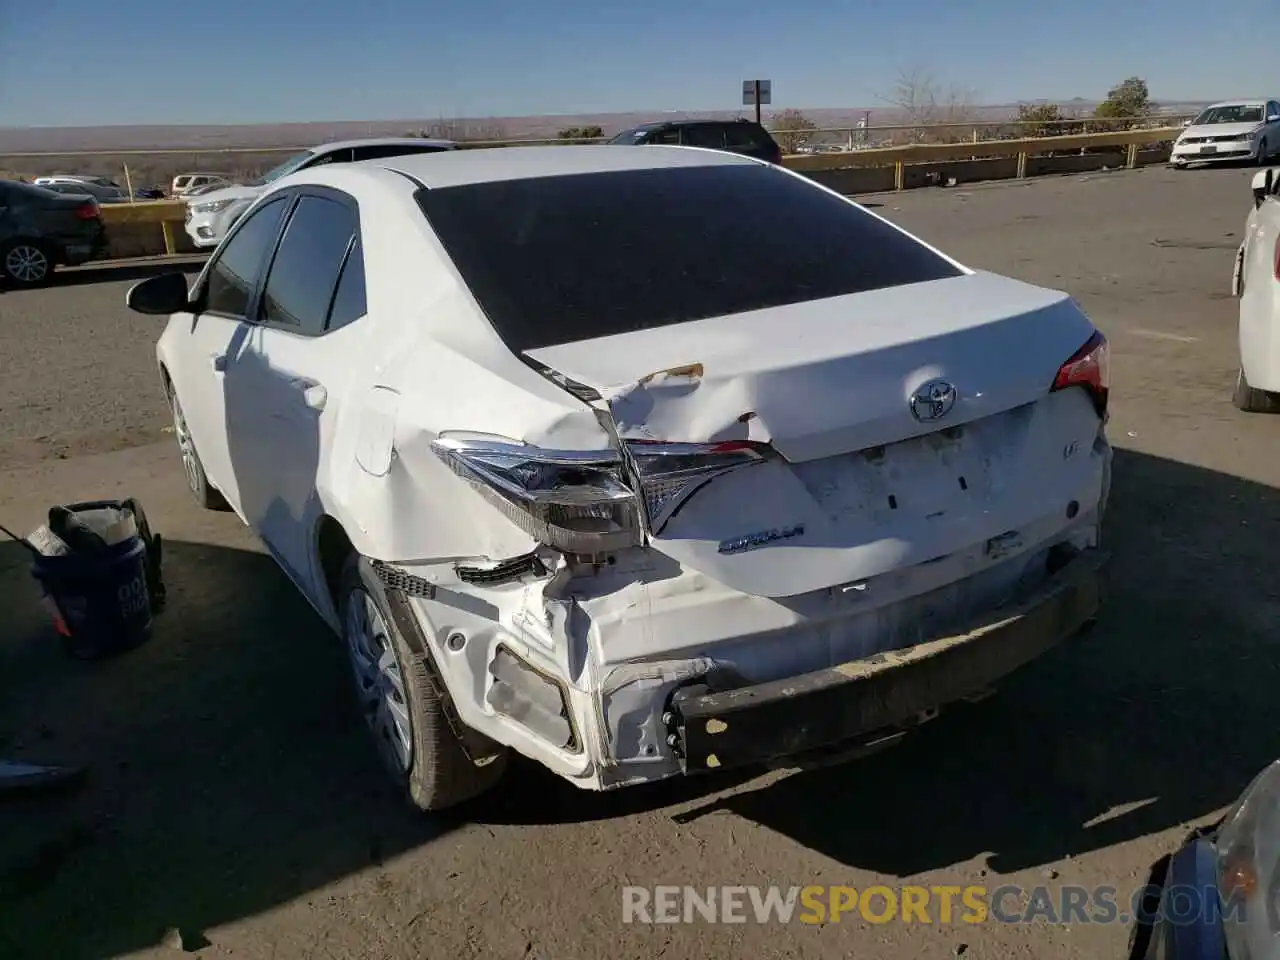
[{"x": 922, "y": 479}]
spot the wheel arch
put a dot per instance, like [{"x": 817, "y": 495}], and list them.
[{"x": 332, "y": 547}]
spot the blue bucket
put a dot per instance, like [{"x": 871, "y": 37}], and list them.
[{"x": 100, "y": 600}]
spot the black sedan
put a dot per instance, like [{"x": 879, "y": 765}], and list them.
[{"x": 41, "y": 230}]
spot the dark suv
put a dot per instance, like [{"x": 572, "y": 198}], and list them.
[{"x": 736, "y": 136}]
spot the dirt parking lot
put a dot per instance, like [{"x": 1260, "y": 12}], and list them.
[{"x": 231, "y": 794}]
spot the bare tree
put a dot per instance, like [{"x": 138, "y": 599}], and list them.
[
  {"x": 925, "y": 101},
  {"x": 791, "y": 129},
  {"x": 463, "y": 131}
]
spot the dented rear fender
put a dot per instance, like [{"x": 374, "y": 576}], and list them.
[{"x": 397, "y": 501}]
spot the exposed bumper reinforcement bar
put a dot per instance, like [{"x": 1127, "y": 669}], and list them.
[{"x": 819, "y": 710}]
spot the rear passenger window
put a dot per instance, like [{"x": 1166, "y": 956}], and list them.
[
  {"x": 379, "y": 151},
  {"x": 235, "y": 273},
  {"x": 333, "y": 156},
  {"x": 704, "y": 135},
  {"x": 305, "y": 271},
  {"x": 348, "y": 299}
]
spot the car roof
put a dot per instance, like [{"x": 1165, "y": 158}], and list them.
[
  {"x": 1244, "y": 102},
  {"x": 382, "y": 142},
  {"x": 658, "y": 124},
  {"x": 494, "y": 164}
]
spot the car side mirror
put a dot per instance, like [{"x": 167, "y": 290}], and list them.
[
  {"x": 1274, "y": 118},
  {"x": 1186, "y": 123},
  {"x": 160, "y": 296}
]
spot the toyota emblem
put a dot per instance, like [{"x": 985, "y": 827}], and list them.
[{"x": 933, "y": 400}]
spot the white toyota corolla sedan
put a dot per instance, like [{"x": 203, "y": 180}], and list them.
[
  {"x": 640, "y": 463},
  {"x": 1257, "y": 284}
]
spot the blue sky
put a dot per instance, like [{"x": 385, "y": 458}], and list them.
[{"x": 144, "y": 61}]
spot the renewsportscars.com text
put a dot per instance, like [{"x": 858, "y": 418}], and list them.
[{"x": 917, "y": 904}]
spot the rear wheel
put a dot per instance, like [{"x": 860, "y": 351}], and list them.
[
  {"x": 1252, "y": 400},
  {"x": 403, "y": 702},
  {"x": 27, "y": 263},
  {"x": 198, "y": 483}
]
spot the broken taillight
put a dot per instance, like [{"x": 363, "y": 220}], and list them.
[
  {"x": 1090, "y": 368},
  {"x": 668, "y": 473},
  {"x": 579, "y": 501},
  {"x": 576, "y": 501}
]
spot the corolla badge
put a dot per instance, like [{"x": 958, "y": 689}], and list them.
[
  {"x": 753, "y": 540},
  {"x": 933, "y": 400}
]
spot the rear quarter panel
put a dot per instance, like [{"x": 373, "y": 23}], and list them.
[{"x": 1259, "y": 331}]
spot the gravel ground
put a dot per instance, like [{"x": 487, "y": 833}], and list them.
[{"x": 231, "y": 795}]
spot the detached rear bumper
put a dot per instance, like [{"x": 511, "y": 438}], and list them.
[{"x": 862, "y": 698}]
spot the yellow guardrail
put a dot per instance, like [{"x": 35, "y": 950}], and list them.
[
  {"x": 169, "y": 214},
  {"x": 899, "y": 157}
]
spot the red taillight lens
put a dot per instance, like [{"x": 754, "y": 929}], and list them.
[
  {"x": 88, "y": 210},
  {"x": 1089, "y": 367},
  {"x": 1278, "y": 258}
]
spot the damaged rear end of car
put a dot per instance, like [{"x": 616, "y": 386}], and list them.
[{"x": 836, "y": 480}]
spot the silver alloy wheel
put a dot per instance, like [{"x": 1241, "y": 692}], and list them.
[
  {"x": 379, "y": 685},
  {"x": 190, "y": 463},
  {"x": 26, "y": 263}
]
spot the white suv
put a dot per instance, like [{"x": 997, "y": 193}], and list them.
[{"x": 211, "y": 215}]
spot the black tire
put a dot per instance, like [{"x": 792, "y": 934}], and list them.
[
  {"x": 18, "y": 259},
  {"x": 202, "y": 491},
  {"x": 440, "y": 774},
  {"x": 1252, "y": 400},
  {"x": 1263, "y": 153}
]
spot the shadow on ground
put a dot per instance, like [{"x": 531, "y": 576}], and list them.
[
  {"x": 227, "y": 769},
  {"x": 229, "y": 773}
]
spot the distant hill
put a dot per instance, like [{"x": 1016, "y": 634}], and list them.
[{"x": 283, "y": 135}]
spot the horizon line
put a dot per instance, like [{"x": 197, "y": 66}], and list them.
[{"x": 568, "y": 116}]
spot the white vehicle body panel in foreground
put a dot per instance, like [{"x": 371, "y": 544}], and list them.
[
  {"x": 891, "y": 527},
  {"x": 1257, "y": 285}
]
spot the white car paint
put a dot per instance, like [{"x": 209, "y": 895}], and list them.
[
  {"x": 210, "y": 215},
  {"x": 1257, "y": 283},
  {"x": 824, "y": 523},
  {"x": 1212, "y": 136}
]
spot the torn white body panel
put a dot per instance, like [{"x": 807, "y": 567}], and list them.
[{"x": 620, "y": 641}]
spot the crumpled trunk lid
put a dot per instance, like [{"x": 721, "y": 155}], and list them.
[{"x": 863, "y": 485}]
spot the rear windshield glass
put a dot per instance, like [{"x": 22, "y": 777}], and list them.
[{"x": 555, "y": 260}]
